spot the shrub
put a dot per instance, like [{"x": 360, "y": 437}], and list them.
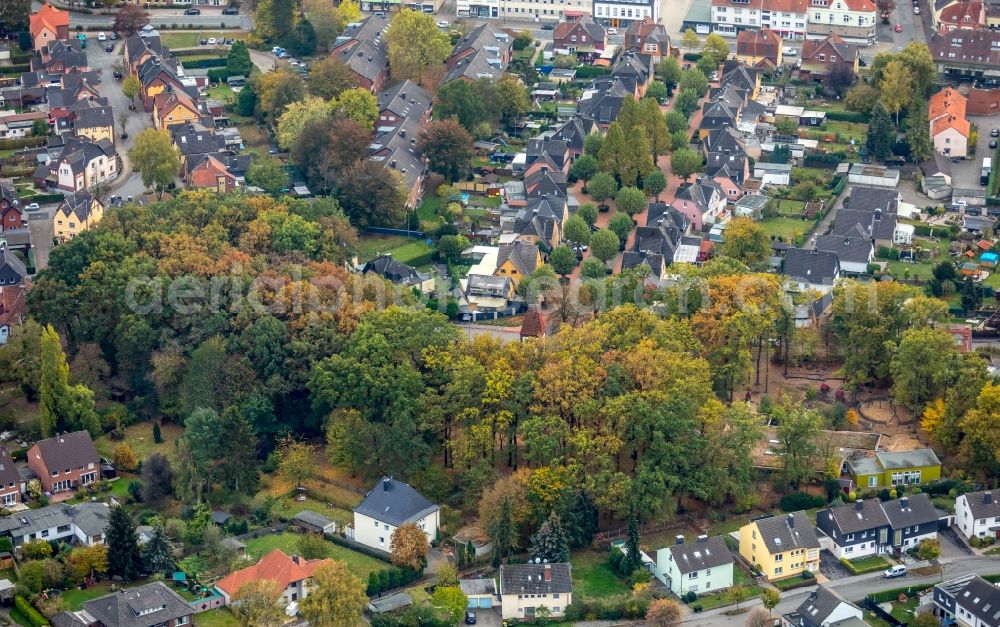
[
  {"x": 28, "y": 611},
  {"x": 797, "y": 501}
]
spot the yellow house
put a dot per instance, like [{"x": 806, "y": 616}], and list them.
[
  {"x": 173, "y": 108},
  {"x": 781, "y": 546},
  {"x": 77, "y": 213},
  {"x": 517, "y": 260},
  {"x": 94, "y": 121}
]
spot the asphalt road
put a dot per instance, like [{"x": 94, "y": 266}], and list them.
[
  {"x": 855, "y": 588},
  {"x": 210, "y": 17}
]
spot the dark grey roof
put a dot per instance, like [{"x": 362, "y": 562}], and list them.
[
  {"x": 978, "y": 505},
  {"x": 535, "y": 578},
  {"x": 861, "y": 515},
  {"x": 702, "y": 192},
  {"x": 603, "y": 105},
  {"x": 818, "y": 607},
  {"x": 738, "y": 75},
  {"x": 94, "y": 117},
  {"x": 705, "y": 553},
  {"x": 483, "y": 63},
  {"x": 362, "y": 47},
  {"x": 395, "y": 271},
  {"x": 78, "y": 204},
  {"x": 871, "y": 198},
  {"x": 478, "y": 587},
  {"x": 484, "y": 36},
  {"x": 9, "y": 476},
  {"x": 784, "y": 533},
  {"x": 523, "y": 255},
  {"x": 907, "y": 459},
  {"x": 406, "y": 99},
  {"x": 910, "y": 511},
  {"x": 729, "y": 164},
  {"x": 194, "y": 141},
  {"x": 91, "y": 518},
  {"x": 12, "y": 261},
  {"x": 143, "y": 606},
  {"x": 851, "y": 249},
  {"x": 811, "y": 266},
  {"x": 394, "y": 502},
  {"x": 69, "y": 450},
  {"x": 656, "y": 262},
  {"x": 874, "y": 224},
  {"x": 979, "y": 597},
  {"x": 70, "y": 54},
  {"x": 220, "y": 517}
]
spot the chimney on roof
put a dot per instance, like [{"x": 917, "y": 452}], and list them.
[
  {"x": 904, "y": 502},
  {"x": 791, "y": 521},
  {"x": 386, "y": 483},
  {"x": 988, "y": 497},
  {"x": 859, "y": 504},
  {"x": 295, "y": 559},
  {"x": 548, "y": 573},
  {"x": 678, "y": 539}
]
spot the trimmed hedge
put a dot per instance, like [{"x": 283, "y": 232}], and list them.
[
  {"x": 197, "y": 52},
  {"x": 849, "y": 565},
  {"x": 360, "y": 548},
  {"x": 797, "y": 501},
  {"x": 847, "y": 116},
  {"x": 23, "y": 142},
  {"x": 825, "y": 160},
  {"x": 891, "y": 595},
  {"x": 589, "y": 71},
  {"x": 204, "y": 63},
  {"x": 390, "y": 579},
  {"x": 46, "y": 198},
  {"x": 34, "y": 616},
  {"x": 607, "y": 609}
]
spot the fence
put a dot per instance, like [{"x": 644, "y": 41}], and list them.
[
  {"x": 874, "y": 608},
  {"x": 381, "y": 230},
  {"x": 207, "y": 603}
]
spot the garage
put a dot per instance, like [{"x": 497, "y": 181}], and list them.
[{"x": 480, "y": 592}]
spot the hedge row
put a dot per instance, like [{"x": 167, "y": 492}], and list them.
[
  {"x": 46, "y": 198},
  {"x": 892, "y": 595},
  {"x": 22, "y": 142},
  {"x": 589, "y": 71},
  {"x": 849, "y": 565},
  {"x": 13, "y": 172},
  {"x": 847, "y": 116},
  {"x": 608, "y": 609},
  {"x": 204, "y": 63},
  {"x": 390, "y": 579},
  {"x": 199, "y": 52},
  {"x": 28, "y": 610},
  {"x": 219, "y": 75},
  {"x": 336, "y": 538}
]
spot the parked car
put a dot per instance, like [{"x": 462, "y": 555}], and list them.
[
  {"x": 443, "y": 24},
  {"x": 109, "y": 48},
  {"x": 114, "y": 36},
  {"x": 995, "y": 132},
  {"x": 896, "y": 571},
  {"x": 993, "y": 143},
  {"x": 788, "y": 51},
  {"x": 212, "y": 41},
  {"x": 612, "y": 31},
  {"x": 102, "y": 37},
  {"x": 193, "y": 12},
  {"x": 203, "y": 42},
  {"x": 899, "y": 28},
  {"x": 470, "y": 618},
  {"x": 548, "y": 26},
  {"x": 916, "y": 10},
  {"x": 118, "y": 75},
  {"x": 230, "y": 11},
  {"x": 32, "y": 207}
]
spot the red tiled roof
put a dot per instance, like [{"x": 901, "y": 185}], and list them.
[
  {"x": 47, "y": 16},
  {"x": 788, "y": 6},
  {"x": 534, "y": 324},
  {"x": 956, "y": 13},
  {"x": 946, "y": 102},
  {"x": 945, "y": 122},
  {"x": 275, "y": 566},
  {"x": 861, "y": 6}
]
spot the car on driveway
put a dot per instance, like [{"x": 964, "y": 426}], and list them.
[
  {"x": 443, "y": 24},
  {"x": 916, "y": 10},
  {"x": 212, "y": 41},
  {"x": 789, "y": 51},
  {"x": 193, "y": 12},
  {"x": 114, "y": 36},
  {"x": 109, "y": 48},
  {"x": 612, "y": 31},
  {"x": 230, "y": 11},
  {"x": 32, "y": 207},
  {"x": 470, "y": 618},
  {"x": 102, "y": 37},
  {"x": 995, "y": 132},
  {"x": 993, "y": 143}
]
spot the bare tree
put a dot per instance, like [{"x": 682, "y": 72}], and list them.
[{"x": 758, "y": 618}]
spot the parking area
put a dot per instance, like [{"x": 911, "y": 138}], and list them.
[
  {"x": 951, "y": 546},
  {"x": 966, "y": 173},
  {"x": 831, "y": 567},
  {"x": 488, "y": 617}
]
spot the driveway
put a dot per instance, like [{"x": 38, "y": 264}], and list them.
[
  {"x": 965, "y": 174},
  {"x": 951, "y": 546},
  {"x": 41, "y": 232},
  {"x": 488, "y": 618},
  {"x": 831, "y": 567}
]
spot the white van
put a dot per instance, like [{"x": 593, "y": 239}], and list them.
[{"x": 895, "y": 571}]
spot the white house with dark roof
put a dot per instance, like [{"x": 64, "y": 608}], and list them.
[
  {"x": 702, "y": 566},
  {"x": 389, "y": 505},
  {"x": 811, "y": 269},
  {"x": 968, "y": 601},
  {"x": 524, "y": 588},
  {"x": 825, "y": 607},
  {"x": 977, "y": 514}
]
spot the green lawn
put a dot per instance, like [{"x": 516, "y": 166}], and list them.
[
  {"x": 858, "y": 131},
  {"x": 403, "y": 249},
  {"x": 19, "y": 618},
  {"x": 869, "y": 564},
  {"x": 140, "y": 437},
  {"x": 429, "y": 207},
  {"x": 791, "y": 208},
  {"x": 288, "y": 507},
  {"x": 791, "y": 582},
  {"x": 221, "y": 92},
  {"x": 903, "y": 611},
  {"x": 724, "y": 597},
  {"x": 785, "y": 228},
  {"x": 75, "y": 598},
  {"x": 220, "y": 617},
  {"x": 358, "y": 563},
  {"x": 593, "y": 576},
  {"x": 192, "y": 39}
]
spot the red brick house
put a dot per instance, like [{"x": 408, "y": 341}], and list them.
[
  {"x": 968, "y": 14},
  {"x": 585, "y": 38},
  {"x": 759, "y": 48},
  {"x": 819, "y": 56},
  {"x": 212, "y": 174},
  {"x": 48, "y": 25},
  {"x": 10, "y": 480},
  {"x": 10, "y": 209},
  {"x": 647, "y": 37},
  {"x": 65, "y": 461}
]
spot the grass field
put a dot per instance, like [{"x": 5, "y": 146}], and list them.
[
  {"x": 75, "y": 598},
  {"x": 724, "y": 597},
  {"x": 785, "y": 228},
  {"x": 358, "y": 563},
  {"x": 222, "y": 92},
  {"x": 140, "y": 437},
  {"x": 403, "y": 249},
  {"x": 593, "y": 576},
  {"x": 791, "y": 582},
  {"x": 869, "y": 564},
  {"x": 220, "y": 617},
  {"x": 192, "y": 39},
  {"x": 791, "y": 208}
]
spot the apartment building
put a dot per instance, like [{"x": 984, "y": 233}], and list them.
[
  {"x": 853, "y": 20},
  {"x": 623, "y": 13}
]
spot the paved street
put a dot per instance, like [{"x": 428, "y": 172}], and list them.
[
  {"x": 855, "y": 589},
  {"x": 210, "y": 17}
]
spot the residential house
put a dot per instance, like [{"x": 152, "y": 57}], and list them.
[
  {"x": 524, "y": 588},
  {"x": 12, "y": 485},
  {"x": 963, "y": 14},
  {"x": 722, "y": 111},
  {"x": 666, "y": 239},
  {"x": 602, "y": 103},
  {"x": 83, "y": 523},
  {"x": 875, "y": 225},
  {"x": 949, "y": 127},
  {"x": 401, "y": 102},
  {"x": 785, "y": 17},
  {"x": 292, "y": 574},
  {"x": 781, "y": 546},
  {"x": 635, "y": 71},
  {"x": 193, "y": 142},
  {"x": 967, "y": 601},
  {"x": 702, "y": 566},
  {"x": 779, "y": 174},
  {"x": 584, "y": 37},
  {"x": 537, "y": 324},
  {"x": 93, "y": 120},
  {"x": 473, "y": 543},
  {"x": 734, "y": 166},
  {"x": 480, "y": 592},
  {"x": 61, "y": 57},
  {"x": 977, "y": 514},
  {"x": 488, "y": 293},
  {"x": 139, "y": 49},
  {"x": 82, "y": 163},
  {"x": 156, "y": 76},
  {"x": 913, "y": 519},
  {"x": 966, "y": 52},
  {"x": 853, "y": 20},
  {"x": 211, "y": 172},
  {"x": 623, "y": 13},
  {"x": 854, "y": 253},
  {"x": 173, "y": 107},
  {"x": 891, "y": 468},
  {"x": 363, "y": 49},
  {"x": 398, "y": 272},
  {"x": 811, "y": 269},
  {"x": 11, "y": 212},
  {"x": 13, "y": 285},
  {"x": 759, "y": 48},
  {"x": 390, "y": 504},
  {"x": 397, "y": 150},
  {"x": 48, "y": 25},
  {"x": 741, "y": 77},
  {"x": 821, "y": 56},
  {"x": 825, "y": 607},
  {"x": 77, "y": 213},
  {"x": 484, "y": 52},
  {"x": 872, "y": 175},
  {"x": 16, "y": 125},
  {"x": 873, "y": 199},
  {"x": 649, "y": 37},
  {"x": 65, "y": 462},
  {"x": 149, "y": 605},
  {"x": 855, "y": 530},
  {"x": 540, "y": 221},
  {"x": 703, "y": 202},
  {"x": 517, "y": 260},
  {"x": 573, "y": 133}
]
